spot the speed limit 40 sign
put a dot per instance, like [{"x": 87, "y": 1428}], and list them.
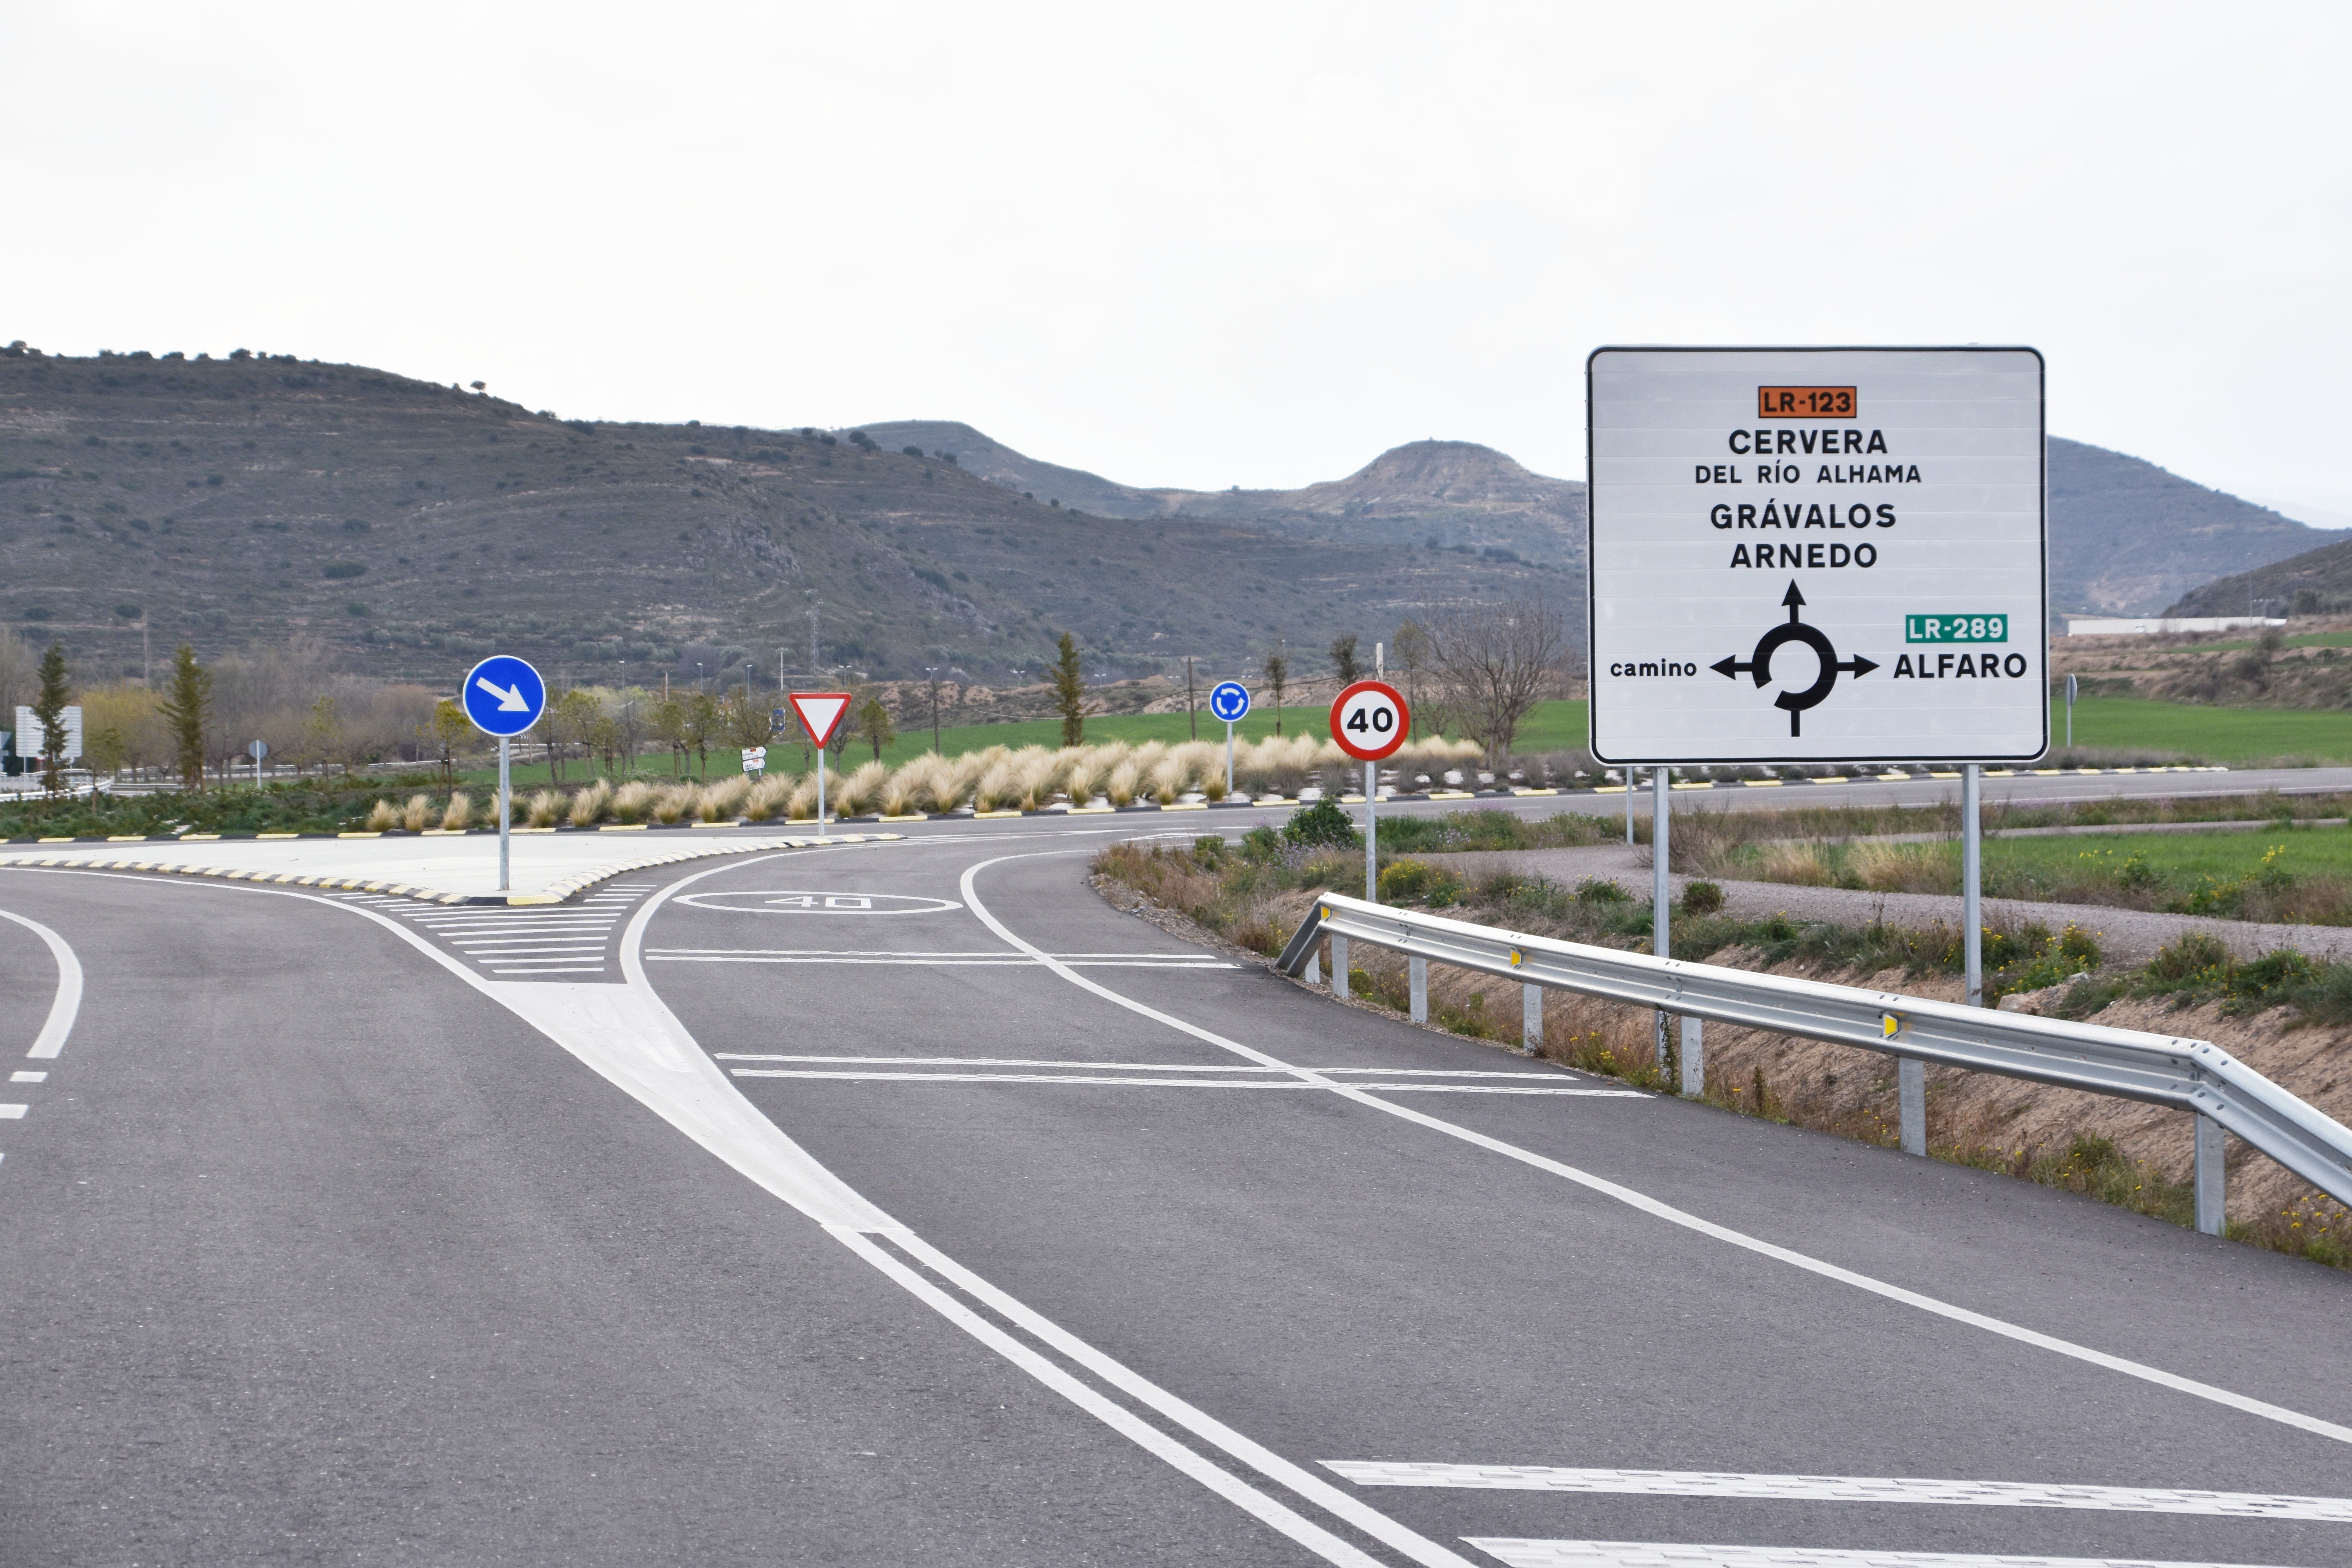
[{"x": 1370, "y": 719}]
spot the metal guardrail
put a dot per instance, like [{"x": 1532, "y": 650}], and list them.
[{"x": 2193, "y": 1075}]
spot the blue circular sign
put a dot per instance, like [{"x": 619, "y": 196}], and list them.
[
  {"x": 503, "y": 695},
  {"x": 1230, "y": 701}
]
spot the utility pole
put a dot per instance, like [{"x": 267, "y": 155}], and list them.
[{"x": 812, "y": 608}]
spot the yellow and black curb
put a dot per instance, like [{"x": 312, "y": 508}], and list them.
[{"x": 554, "y": 893}]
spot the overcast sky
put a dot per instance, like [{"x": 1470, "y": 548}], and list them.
[{"x": 1204, "y": 245}]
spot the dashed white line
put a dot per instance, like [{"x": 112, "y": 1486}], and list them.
[
  {"x": 12, "y": 1112},
  {"x": 28, "y": 1078},
  {"x": 1171, "y": 1082},
  {"x": 1844, "y": 1488}
]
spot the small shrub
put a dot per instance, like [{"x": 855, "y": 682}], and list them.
[
  {"x": 416, "y": 813},
  {"x": 383, "y": 817},
  {"x": 632, "y": 801},
  {"x": 589, "y": 804},
  {"x": 1322, "y": 824},
  {"x": 1419, "y": 882},
  {"x": 460, "y": 813},
  {"x": 1599, "y": 891},
  {"x": 1261, "y": 844},
  {"x": 1701, "y": 899},
  {"x": 544, "y": 809}
]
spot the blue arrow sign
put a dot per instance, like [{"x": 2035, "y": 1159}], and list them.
[
  {"x": 503, "y": 695},
  {"x": 1230, "y": 701}
]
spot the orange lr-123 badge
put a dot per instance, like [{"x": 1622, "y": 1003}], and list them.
[{"x": 1804, "y": 403}]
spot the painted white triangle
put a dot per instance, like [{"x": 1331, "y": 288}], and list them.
[{"x": 821, "y": 711}]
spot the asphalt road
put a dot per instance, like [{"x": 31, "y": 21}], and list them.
[{"x": 902, "y": 1204}]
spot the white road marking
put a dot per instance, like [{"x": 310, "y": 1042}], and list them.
[
  {"x": 12, "y": 1112},
  {"x": 1238, "y": 1492},
  {"x": 1172, "y": 1082},
  {"x": 28, "y": 1078},
  {"x": 1651, "y": 1207},
  {"x": 67, "y": 1004},
  {"x": 1844, "y": 1488},
  {"x": 1127, "y": 1066},
  {"x": 680, "y": 955},
  {"x": 1515, "y": 1553}
]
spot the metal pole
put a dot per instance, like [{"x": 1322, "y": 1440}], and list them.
[
  {"x": 1661, "y": 908},
  {"x": 2210, "y": 1218},
  {"x": 1229, "y": 758},
  {"x": 1628, "y": 808},
  {"x": 820, "y": 792},
  {"x": 506, "y": 803},
  {"x": 1371, "y": 860},
  {"x": 1339, "y": 967},
  {"x": 1971, "y": 865},
  {"x": 1911, "y": 1102},
  {"x": 1531, "y": 1018}
]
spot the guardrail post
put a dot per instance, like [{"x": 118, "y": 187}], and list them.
[
  {"x": 1416, "y": 972},
  {"x": 1339, "y": 967},
  {"x": 1911, "y": 1094},
  {"x": 1531, "y": 1018},
  {"x": 1313, "y": 975},
  {"x": 1694, "y": 1058},
  {"x": 2211, "y": 1217}
]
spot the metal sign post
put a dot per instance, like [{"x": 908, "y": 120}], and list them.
[
  {"x": 1817, "y": 556},
  {"x": 1229, "y": 701},
  {"x": 1661, "y": 939},
  {"x": 821, "y": 713},
  {"x": 258, "y": 751},
  {"x": 2070, "y": 711},
  {"x": 1370, "y": 720},
  {"x": 504, "y": 696}
]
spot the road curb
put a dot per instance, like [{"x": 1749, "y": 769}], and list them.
[{"x": 555, "y": 893}]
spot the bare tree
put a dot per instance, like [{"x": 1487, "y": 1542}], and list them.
[{"x": 1496, "y": 661}]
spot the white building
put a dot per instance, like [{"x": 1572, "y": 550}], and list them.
[{"x": 2153, "y": 626}]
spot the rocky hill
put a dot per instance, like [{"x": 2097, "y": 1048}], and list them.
[
  {"x": 2127, "y": 538},
  {"x": 2315, "y": 583},
  {"x": 400, "y": 527}
]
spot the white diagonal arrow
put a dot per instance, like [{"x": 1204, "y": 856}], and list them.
[{"x": 509, "y": 697}]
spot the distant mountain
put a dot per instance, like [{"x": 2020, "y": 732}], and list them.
[
  {"x": 2127, "y": 538},
  {"x": 2315, "y": 583},
  {"x": 399, "y": 526}
]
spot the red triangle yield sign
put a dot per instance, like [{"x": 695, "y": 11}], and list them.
[{"x": 821, "y": 712}]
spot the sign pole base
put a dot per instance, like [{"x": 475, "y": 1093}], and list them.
[{"x": 1371, "y": 859}]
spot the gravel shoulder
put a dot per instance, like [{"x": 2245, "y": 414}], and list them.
[{"x": 2128, "y": 936}]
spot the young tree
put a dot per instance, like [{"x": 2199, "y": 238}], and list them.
[
  {"x": 186, "y": 707},
  {"x": 1415, "y": 663},
  {"x": 1496, "y": 661},
  {"x": 747, "y": 720},
  {"x": 669, "y": 728},
  {"x": 1278, "y": 674},
  {"x": 322, "y": 734},
  {"x": 703, "y": 725},
  {"x": 1346, "y": 667},
  {"x": 1070, "y": 691},
  {"x": 576, "y": 713},
  {"x": 874, "y": 726},
  {"x": 49, "y": 711},
  {"x": 449, "y": 727}
]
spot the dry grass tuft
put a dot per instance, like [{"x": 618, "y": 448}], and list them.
[
  {"x": 383, "y": 817},
  {"x": 460, "y": 813},
  {"x": 416, "y": 815},
  {"x": 632, "y": 801},
  {"x": 544, "y": 809},
  {"x": 589, "y": 804}
]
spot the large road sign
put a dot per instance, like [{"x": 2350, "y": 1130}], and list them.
[
  {"x": 1229, "y": 701},
  {"x": 821, "y": 712},
  {"x": 1370, "y": 720},
  {"x": 1817, "y": 555},
  {"x": 503, "y": 695}
]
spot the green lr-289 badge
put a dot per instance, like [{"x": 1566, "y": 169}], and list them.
[{"x": 1955, "y": 628}]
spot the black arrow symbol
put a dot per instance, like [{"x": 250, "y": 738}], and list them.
[
  {"x": 1794, "y": 600},
  {"x": 1758, "y": 665}
]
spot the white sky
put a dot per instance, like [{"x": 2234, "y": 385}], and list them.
[{"x": 1203, "y": 245}]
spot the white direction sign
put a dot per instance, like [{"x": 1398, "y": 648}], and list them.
[{"x": 1817, "y": 555}]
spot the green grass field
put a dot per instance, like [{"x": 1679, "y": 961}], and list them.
[
  {"x": 2184, "y": 858},
  {"x": 2232, "y": 736}
]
